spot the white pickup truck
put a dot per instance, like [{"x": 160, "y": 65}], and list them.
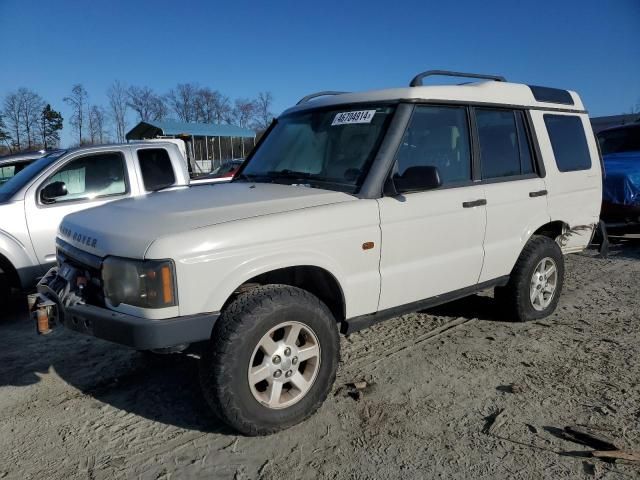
[
  {"x": 353, "y": 208},
  {"x": 34, "y": 201}
]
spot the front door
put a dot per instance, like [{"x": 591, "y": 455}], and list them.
[
  {"x": 90, "y": 180},
  {"x": 432, "y": 240}
]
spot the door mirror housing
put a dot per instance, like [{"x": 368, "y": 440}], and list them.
[
  {"x": 416, "y": 179},
  {"x": 52, "y": 191}
]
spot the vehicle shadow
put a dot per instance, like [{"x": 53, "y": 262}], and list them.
[
  {"x": 481, "y": 307},
  {"x": 162, "y": 388}
]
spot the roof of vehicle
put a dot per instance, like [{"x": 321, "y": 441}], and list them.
[
  {"x": 482, "y": 92},
  {"x": 633, "y": 125},
  {"x": 107, "y": 146},
  {"x": 150, "y": 129},
  {"x": 23, "y": 156}
]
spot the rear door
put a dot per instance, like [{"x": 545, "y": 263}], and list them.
[
  {"x": 516, "y": 194},
  {"x": 432, "y": 240},
  {"x": 574, "y": 174}
]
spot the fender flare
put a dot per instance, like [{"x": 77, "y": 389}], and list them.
[{"x": 269, "y": 263}]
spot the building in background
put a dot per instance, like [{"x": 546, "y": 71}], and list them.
[{"x": 208, "y": 145}]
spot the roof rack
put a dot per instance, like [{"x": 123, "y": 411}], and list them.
[
  {"x": 417, "y": 80},
  {"x": 319, "y": 94}
]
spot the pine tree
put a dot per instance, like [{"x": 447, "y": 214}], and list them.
[{"x": 50, "y": 126}]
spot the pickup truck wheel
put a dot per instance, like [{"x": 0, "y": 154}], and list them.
[
  {"x": 272, "y": 359},
  {"x": 536, "y": 281},
  {"x": 5, "y": 295}
]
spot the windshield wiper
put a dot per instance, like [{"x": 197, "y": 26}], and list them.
[{"x": 286, "y": 173}]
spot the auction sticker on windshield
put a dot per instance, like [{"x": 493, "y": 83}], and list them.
[{"x": 360, "y": 116}]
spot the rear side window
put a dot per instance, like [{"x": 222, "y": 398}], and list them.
[
  {"x": 156, "y": 167},
  {"x": 569, "y": 142},
  {"x": 504, "y": 146},
  {"x": 439, "y": 137}
]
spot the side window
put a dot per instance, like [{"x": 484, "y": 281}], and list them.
[
  {"x": 92, "y": 176},
  {"x": 439, "y": 137},
  {"x": 156, "y": 168},
  {"x": 569, "y": 142},
  {"x": 504, "y": 146}
]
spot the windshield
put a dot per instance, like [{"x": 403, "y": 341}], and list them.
[
  {"x": 619, "y": 140},
  {"x": 330, "y": 149},
  {"x": 24, "y": 176}
]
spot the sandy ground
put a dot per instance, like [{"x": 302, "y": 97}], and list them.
[{"x": 455, "y": 392}]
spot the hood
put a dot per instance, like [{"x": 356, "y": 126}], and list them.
[
  {"x": 127, "y": 227},
  {"x": 622, "y": 178}
]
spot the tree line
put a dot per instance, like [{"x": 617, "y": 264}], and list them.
[{"x": 28, "y": 122}]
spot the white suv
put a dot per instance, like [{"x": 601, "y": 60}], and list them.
[{"x": 353, "y": 208}]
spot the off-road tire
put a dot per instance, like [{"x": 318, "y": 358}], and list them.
[
  {"x": 514, "y": 297},
  {"x": 225, "y": 362}
]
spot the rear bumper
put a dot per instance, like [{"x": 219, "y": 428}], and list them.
[
  {"x": 620, "y": 217},
  {"x": 57, "y": 303}
]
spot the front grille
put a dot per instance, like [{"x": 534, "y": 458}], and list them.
[{"x": 88, "y": 266}]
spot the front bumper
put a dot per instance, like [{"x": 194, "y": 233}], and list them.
[{"x": 62, "y": 304}]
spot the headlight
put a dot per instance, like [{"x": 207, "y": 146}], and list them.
[{"x": 147, "y": 284}]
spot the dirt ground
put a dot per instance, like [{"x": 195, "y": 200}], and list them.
[{"x": 454, "y": 392}]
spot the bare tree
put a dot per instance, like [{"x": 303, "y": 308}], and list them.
[
  {"x": 117, "y": 95},
  {"x": 78, "y": 103},
  {"x": 12, "y": 109},
  {"x": 146, "y": 103},
  {"x": 97, "y": 124},
  {"x": 4, "y": 134},
  {"x": 223, "y": 112},
  {"x": 182, "y": 101},
  {"x": 32, "y": 105},
  {"x": 264, "y": 116},
  {"x": 244, "y": 112},
  {"x": 206, "y": 104}
]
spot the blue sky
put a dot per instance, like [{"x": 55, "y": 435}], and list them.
[{"x": 292, "y": 48}]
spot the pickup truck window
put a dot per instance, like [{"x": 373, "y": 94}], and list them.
[
  {"x": 156, "y": 168},
  {"x": 325, "y": 148},
  {"x": 91, "y": 176},
  {"x": 439, "y": 137}
]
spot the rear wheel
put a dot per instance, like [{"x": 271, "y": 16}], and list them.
[
  {"x": 272, "y": 359},
  {"x": 535, "y": 284}
]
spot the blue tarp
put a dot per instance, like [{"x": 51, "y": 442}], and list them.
[{"x": 622, "y": 178}]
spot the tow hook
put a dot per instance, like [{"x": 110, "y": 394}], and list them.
[{"x": 41, "y": 309}]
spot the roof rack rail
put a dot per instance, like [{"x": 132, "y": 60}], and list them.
[
  {"x": 417, "y": 80},
  {"x": 319, "y": 94}
]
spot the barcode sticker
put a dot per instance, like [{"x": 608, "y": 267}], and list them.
[{"x": 360, "y": 116}]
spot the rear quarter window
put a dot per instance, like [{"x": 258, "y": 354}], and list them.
[
  {"x": 569, "y": 142},
  {"x": 156, "y": 167}
]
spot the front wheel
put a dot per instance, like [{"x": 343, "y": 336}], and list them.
[
  {"x": 536, "y": 281},
  {"x": 272, "y": 359}
]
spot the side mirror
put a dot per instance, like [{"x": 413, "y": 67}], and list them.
[
  {"x": 52, "y": 191},
  {"x": 416, "y": 179}
]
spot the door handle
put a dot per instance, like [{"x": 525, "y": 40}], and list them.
[
  {"x": 539, "y": 193},
  {"x": 474, "y": 203}
]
